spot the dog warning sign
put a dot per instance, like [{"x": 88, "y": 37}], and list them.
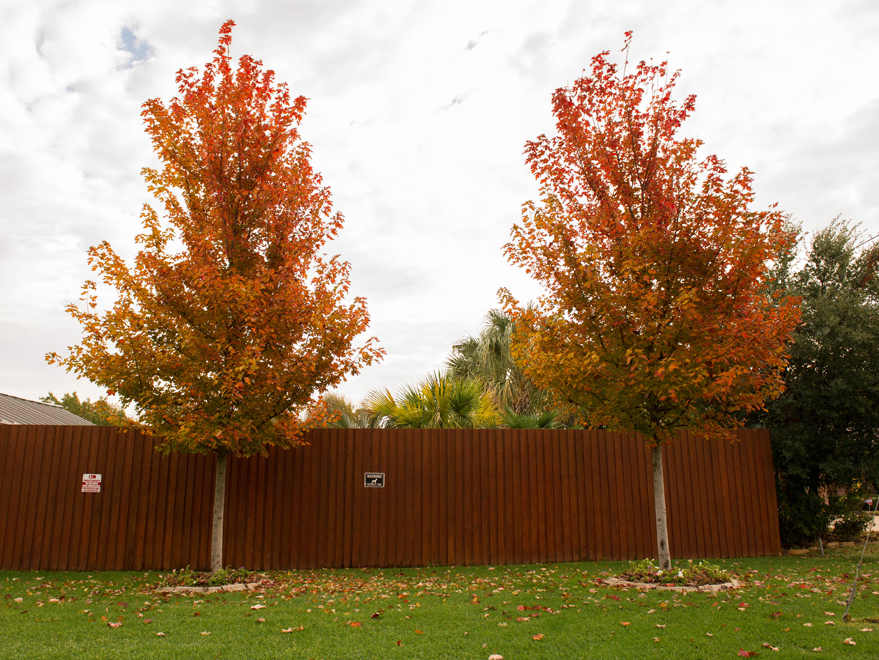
[{"x": 374, "y": 479}]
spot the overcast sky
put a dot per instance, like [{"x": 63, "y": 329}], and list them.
[{"x": 418, "y": 114}]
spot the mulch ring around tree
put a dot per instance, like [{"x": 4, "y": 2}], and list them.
[
  {"x": 685, "y": 588},
  {"x": 688, "y": 577},
  {"x": 189, "y": 581}
]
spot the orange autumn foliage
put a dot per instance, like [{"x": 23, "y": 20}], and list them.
[
  {"x": 231, "y": 317},
  {"x": 655, "y": 316}
]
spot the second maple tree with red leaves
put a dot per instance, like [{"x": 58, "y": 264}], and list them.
[
  {"x": 231, "y": 318},
  {"x": 656, "y": 316}
]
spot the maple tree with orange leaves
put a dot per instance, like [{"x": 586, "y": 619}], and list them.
[
  {"x": 231, "y": 318},
  {"x": 655, "y": 316}
]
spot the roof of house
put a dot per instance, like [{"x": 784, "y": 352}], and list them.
[{"x": 23, "y": 411}]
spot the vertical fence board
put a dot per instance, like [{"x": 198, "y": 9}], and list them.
[
  {"x": 180, "y": 551},
  {"x": 321, "y": 469},
  {"x": 706, "y": 483},
  {"x": 629, "y": 447},
  {"x": 485, "y": 512},
  {"x": 8, "y": 466},
  {"x": 675, "y": 498},
  {"x": 512, "y": 472},
  {"x": 519, "y": 449},
  {"x": 694, "y": 504},
  {"x": 72, "y": 500},
  {"x": 260, "y": 551},
  {"x": 716, "y": 493},
  {"x": 38, "y": 522},
  {"x": 492, "y": 438},
  {"x": 61, "y": 498},
  {"x": 746, "y": 450},
  {"x": 22, "y": 499},
  {"x": 771, "y": 496}
]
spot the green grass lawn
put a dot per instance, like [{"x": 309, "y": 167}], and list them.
[{"x": 794, "y": 604}]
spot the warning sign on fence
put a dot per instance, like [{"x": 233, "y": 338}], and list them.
[
  {"x": 91, "y": 483},
  {"x": 374, "y": 479}
]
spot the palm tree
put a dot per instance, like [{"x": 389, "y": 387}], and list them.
[
  {"x": 487, "y": 358},
  {"x": 545, "y": 420},
  {"x": 439, "y": 401}
]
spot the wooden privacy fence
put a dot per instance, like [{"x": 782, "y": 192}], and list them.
[{"x": 448, "y": 497}]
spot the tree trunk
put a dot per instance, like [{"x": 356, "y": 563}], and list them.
[
  {"x": 659, "y": 511},
  {"x": 219, "y": 510}
]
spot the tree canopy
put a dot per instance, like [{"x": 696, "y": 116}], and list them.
[
  {"x": 655, "y": 316},
  {"x": 231, "y": 317},
  {"x": 825, "y": 427},
  {"x": 100, "y": 412}
]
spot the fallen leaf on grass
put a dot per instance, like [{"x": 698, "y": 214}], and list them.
[
  {"x": 829, "y": 623},
  {"x": 817, "y": 649},
  {"x": 538, "y": 636},
  {"x": 421, "y": 632},
  {"x": 147, "y": 621},
  {"x": 523, "y": 618},
  {"x": 18, "y": 600},
  {"x": 656, "y": 639},
  {"x": 866, "y": 630},
  {"x": 808, "y": 625},
  {"x": 355, "y": 624},
  {"x": 747, "y": 654},
  {"x": 114, "y": 624},
  {"x": 260, "y": 620},
  {"x": 399, "y": 642},
  {"x": 829, "y": 614},
  {"x": 375, "y": 615},
  {"x": 205, "y": 632},
  {"x": 258, "y": 606},
  {"x": 160, "y": 634},
  {"x": 767, "y": 645},
  {"x": 624, "y": 623},
  {"x": 709, "y": 635},
  {"x": 660, "y": 625},
  {"x": 849, "y": 641}
]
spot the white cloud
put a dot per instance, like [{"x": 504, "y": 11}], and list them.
[{"x": 418, "y": 114}]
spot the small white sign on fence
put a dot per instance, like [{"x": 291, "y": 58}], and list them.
[{"x": 91, "y": 483}]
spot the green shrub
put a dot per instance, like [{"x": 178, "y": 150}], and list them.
[
  {"x": 803, "y": 517},
  {"x": 850, "y": 521},
  {"x": 851, "y": 527}
]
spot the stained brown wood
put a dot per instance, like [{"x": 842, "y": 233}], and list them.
[{"x": 450, "y": 497}]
